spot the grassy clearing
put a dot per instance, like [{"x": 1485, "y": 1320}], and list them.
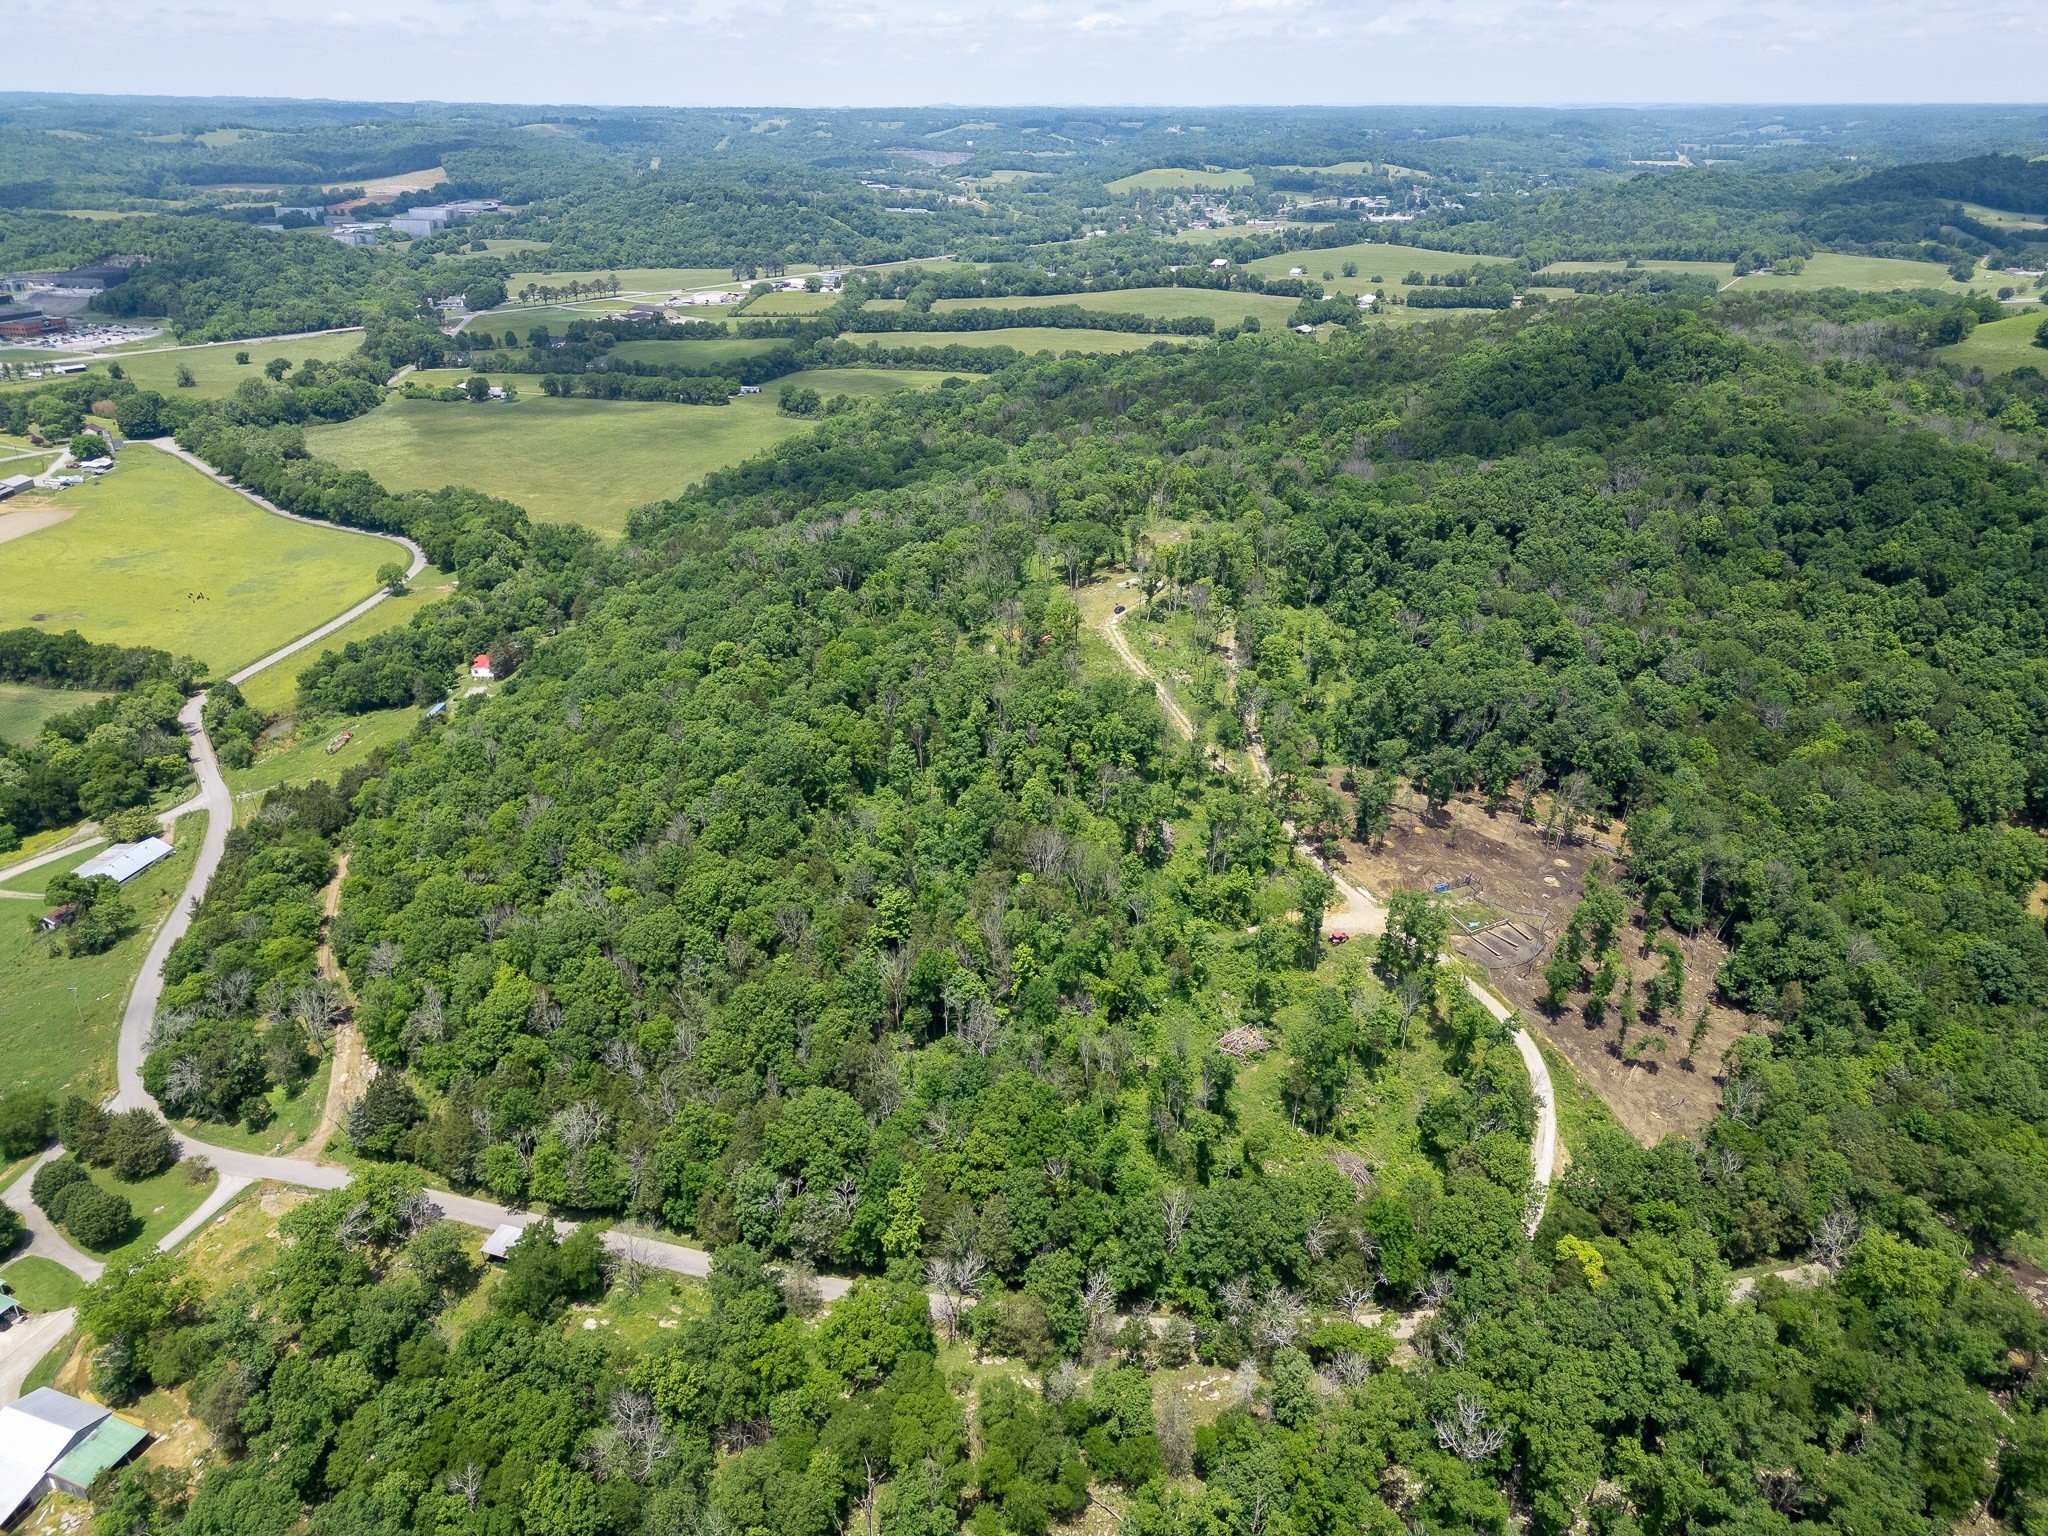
[
  {"x": 274, "y": 689},
  {"x": 1381, "y": 267},
  {"x": 1025, "y": 338},
  {"x": 1877, "y": 274},
  {"x": 242, "y": 1242},
  {"x": 713, "y": 349},
  {"x": 156, "y": 553},
  {"x": 298, "y": 1115},
  {"x": 2005, "y": 218},
  {"x": 579, "y": 461},
  {"x": 1580, "y": 1111},
  {"x": 42, "y": 1285},
  {"x": 159, "y": 1205},
  {"x": 301, "y": 757},
  {"x": 1223, "y": 307},
  {"x": 1178, "y": 178},
  {"x": 781, "y": 305},
  {"x": 665, "y": 1302},
  {"x": 214, "y": 369},
  {"x": 24, "y": 708},
  {"x": 1999, "y": 347},
  {"x": 1379, "y": 1122},
  {"x": 59, "y": 1016}
]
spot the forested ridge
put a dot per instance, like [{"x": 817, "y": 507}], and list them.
[{"x": 812, "y": 890}]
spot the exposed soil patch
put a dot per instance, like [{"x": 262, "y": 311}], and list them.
[{"x": 1500, "y": 869}]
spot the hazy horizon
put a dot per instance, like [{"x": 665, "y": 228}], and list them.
[{"x": 820, "y": 54}]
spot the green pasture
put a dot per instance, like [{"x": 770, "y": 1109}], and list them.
[
  {"x": 1220, "y": 305},
  {"x": 580, "y": 461},
  {"x": 300, "y": 755},
  {"x": 156, "y": 553},
  {"x": 42, "y": 1285},
  {"x": 24, "y": 708},
  {"x": 780, "y": 306},
  {"x": 1179, "y": 179},
  {"x": 214, "y": 369},
  {"x": 2005, "y": 218},
  {"x": 1025, "y": 338},
  {"x": 297, "y": 1117},
  {"x": 59, "y": 1016},
  {"x": 1877, "y": 274},
  {"x": 1999, "y": 347},
  {"x": 1375, "y": 258},
  {"x": 713, "y": 349},
  {"x": 273, "y": 690},
  {"x": 159, "y": 1204}
]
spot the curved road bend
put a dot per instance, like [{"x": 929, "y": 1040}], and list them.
[
  {"x": 419, "y": 557},
  {"x": 1543, "y": 1145}
]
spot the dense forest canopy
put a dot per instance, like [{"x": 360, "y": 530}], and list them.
[
  {"x": 818, "y": 885},
  {"x": 807, "y": 893}
]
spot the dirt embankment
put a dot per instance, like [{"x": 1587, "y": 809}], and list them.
[
  {"x": 352, "y": 1065},
  {"x": 1500, "y": 870}
]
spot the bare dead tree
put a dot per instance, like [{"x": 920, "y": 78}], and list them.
[
  {"x": 1317, "y": 1238},
  {"x": 1350, "y": 1368},
  {"x": 467, "y": 1484},
  {"x": 632, "y": 1442},
  {"x": 1280, "y": 1317},
  {"x": 800, "y": 1292},
  {"x": 978, "y": 1026},
  {"x": 1835, "y": 1236},
  {"x": 1355, "y": 1301},
  {"x": 1465, "y": 1432},
  {"x": 1176, "y": 1205},
  {"x": 627, "y": 1263}
]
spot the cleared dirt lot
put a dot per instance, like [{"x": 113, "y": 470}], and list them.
[{"x": 1501, "y": 870}]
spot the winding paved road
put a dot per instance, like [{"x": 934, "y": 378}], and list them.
[{"x": 238, "y": 1169}]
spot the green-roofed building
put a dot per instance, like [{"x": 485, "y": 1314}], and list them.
[{"x": 112, "y": 1443}]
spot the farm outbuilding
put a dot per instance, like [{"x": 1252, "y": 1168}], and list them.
[
  {"x": 51, "y": 1440},
  {"x": 124, "y": 861}
]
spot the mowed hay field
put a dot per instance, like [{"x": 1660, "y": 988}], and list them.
[
  {"x": 2003, "y": 345},
  {"x": 214, "y": 369},
  {"x": 1874, "y": 274},
  {"x": 155, "y": 553},
  {"x": 23, "y": 709},
  {"x": 50, "y": 1039},
  {"x": 711, "y": 350},
  {"x": 1392, "y": 263},
  {"x": 783, "y": 306},
  {"x": 1220, "y": 305},
  {"x": 1027, "y": 339},
  {"x": 579, "y": 461},
  {"x": 1176, "y": 178},
  {"x": 276, "y": 687},
  {"x": 1878, "y": 274}
]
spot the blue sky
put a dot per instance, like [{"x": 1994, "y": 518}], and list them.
[{"x": 1187, "y": 52}]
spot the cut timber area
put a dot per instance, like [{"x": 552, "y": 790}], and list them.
[{"x": 1503, "y": 870}]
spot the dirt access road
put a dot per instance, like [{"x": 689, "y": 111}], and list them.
[{"x": 1358, "y": 912}]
